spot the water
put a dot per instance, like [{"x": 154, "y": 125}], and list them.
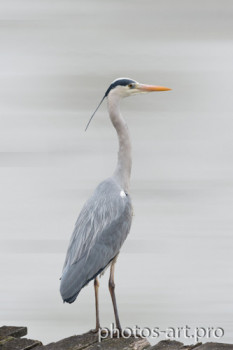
[{"x": 57, "y": 60}]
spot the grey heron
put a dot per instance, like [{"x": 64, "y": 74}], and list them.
[{"x": 104, "y": 222}]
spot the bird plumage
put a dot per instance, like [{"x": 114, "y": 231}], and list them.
[{"x": 100, "y": 230}]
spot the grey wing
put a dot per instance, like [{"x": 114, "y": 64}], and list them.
[{"x": 99, "y": 233}]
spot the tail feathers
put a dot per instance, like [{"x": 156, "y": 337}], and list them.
[
  {"x": 77, "y": 276},
  {"x": 72, "y": 281}
]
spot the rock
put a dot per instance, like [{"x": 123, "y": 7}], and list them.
[
  {"x": 16, "y": 332},
  {"x": 90, "y": 341},
  {"x": 10, "y": 340}
]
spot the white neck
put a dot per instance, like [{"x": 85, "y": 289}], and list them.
[{"x": 124, "y": 162}]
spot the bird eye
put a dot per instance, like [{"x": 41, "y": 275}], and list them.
[{"x": 130, "y": 86}]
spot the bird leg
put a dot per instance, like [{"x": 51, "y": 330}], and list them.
[
  {"x": 111, "y": 286},
  {"x": 96, "y": 287}
]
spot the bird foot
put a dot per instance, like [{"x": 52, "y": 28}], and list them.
[
  {"x": 125, "y": 334},
  {"x": 137, "y": 334},
  {"x": 118, "y": 333},
  {"x": 98, "y": 329}
]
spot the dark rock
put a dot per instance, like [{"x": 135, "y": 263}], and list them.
[
  {"x": 20, "y": 344},
  {"x": 89, "y": 341},
  {"x": 10, "y": 340},
  {"x": 16, "y": 332},
  {"x": 120, "y": 344},
  {"x": 175, "y": 345},
  {"x": 215, "y": 346},
  {"x": 167, "y": 345}
]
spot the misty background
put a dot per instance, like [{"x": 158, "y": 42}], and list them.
[{"x": 57, "y": 59}]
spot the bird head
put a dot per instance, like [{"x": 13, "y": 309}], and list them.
[{"x": 124, "y": 87}]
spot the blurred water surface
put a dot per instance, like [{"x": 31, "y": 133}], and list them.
[{"x": 57, "y": 60}]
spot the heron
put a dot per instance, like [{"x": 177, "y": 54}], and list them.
[{"x": 105, "y": 219}]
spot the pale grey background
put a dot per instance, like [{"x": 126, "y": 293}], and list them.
[{"x": 57, "y": 58}]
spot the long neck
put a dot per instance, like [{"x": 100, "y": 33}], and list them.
[{"x": 124, "y": 162}]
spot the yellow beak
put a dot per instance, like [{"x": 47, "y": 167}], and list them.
[{"x": 147, "y": 88}]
